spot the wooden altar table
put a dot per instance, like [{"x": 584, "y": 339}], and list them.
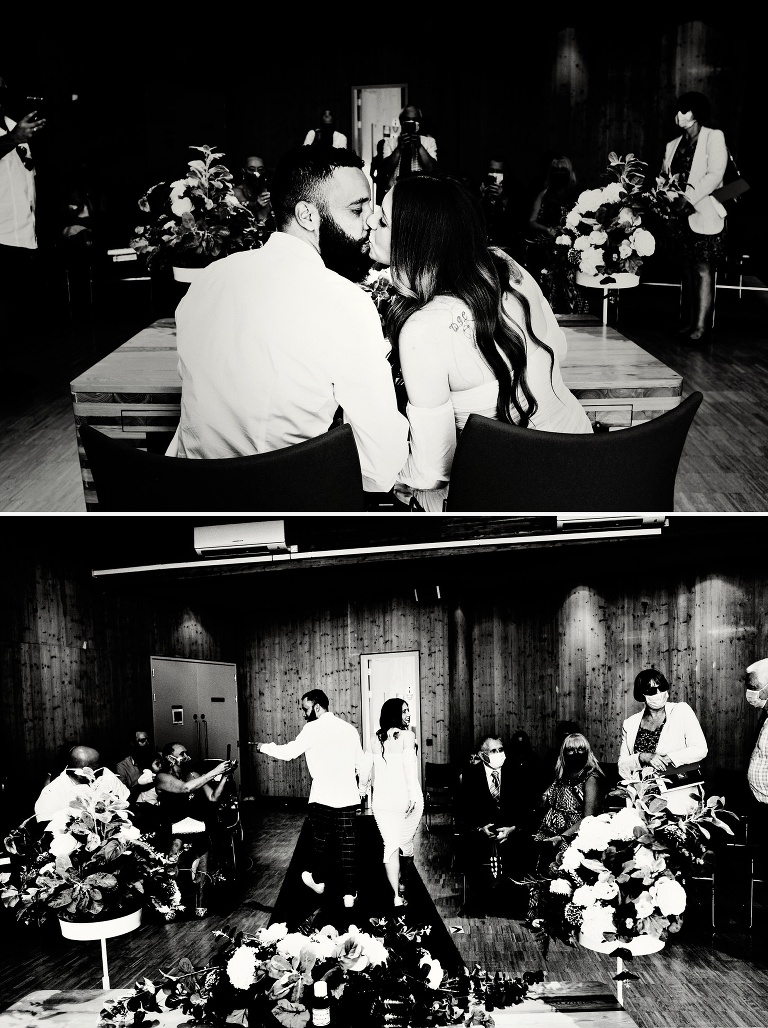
[{"x": 134, "y": 392}]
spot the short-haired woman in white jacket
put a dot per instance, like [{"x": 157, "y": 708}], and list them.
[
  {"x": 699, "y": 157},
  {"x": 663, "y": 733}
]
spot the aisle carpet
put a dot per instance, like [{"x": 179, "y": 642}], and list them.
[{"x": 297, "y": 905}]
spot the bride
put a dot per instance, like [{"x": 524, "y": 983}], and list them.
[{"x": 398, "y": 802}]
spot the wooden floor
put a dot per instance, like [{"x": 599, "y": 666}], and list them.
[
  {"x": 724, "y": 465},
  {"x": 702, "y": 980}
]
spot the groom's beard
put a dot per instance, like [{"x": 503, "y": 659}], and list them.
[{"x": 341, "y": 253}]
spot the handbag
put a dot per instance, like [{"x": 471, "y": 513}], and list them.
[{"x": 734, "y": 184}]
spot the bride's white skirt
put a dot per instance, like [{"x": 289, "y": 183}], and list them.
[{"x": 397, "y": 830}]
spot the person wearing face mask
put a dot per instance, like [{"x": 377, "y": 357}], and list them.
[
  {"x": 83, "y": 766},
  {"x": 575, "y": 793},
  {"x": 664, "y": 734},
  {"x": 549, "y": 208},
  {"x": 182, "y": 826},
  {"x": 253, "y": 192},
  {"x": 757, "y": 773},
  {"x": 696, "y": 160},
  {"x": 491, "y": 818}
]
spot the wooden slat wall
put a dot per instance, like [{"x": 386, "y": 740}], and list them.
[{"x": 526, "y": 657}]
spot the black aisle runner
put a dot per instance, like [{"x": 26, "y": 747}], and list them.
[{"x": 297, "y": 904}]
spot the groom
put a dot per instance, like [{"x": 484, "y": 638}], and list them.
[{"x": 336, "y": 763}]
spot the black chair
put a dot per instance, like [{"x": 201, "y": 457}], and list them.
[
  {"x": 320, "y": 474},
  {"x": 502, "y": 467},
  {"x": 440, "y": 784}
]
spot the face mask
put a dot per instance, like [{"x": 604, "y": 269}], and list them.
[
  {"x": 496, "y": 760},
  {"x": 753, "y": 698},
  {"x": 684, "y": 120},
  {"x": 574, "y": 761},
  {"x": 657, "y": 701}
]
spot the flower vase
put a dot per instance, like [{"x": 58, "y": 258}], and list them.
[
  {"x": 622, "y": 280},
  {"x": 186, "y": 275}
]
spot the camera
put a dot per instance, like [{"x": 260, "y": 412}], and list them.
[
  {"x": 495, "y": 178},
  {"x": 410, "y": 128}
]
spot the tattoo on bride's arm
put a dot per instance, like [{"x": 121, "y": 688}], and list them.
[{"x": 462, "y": 323}]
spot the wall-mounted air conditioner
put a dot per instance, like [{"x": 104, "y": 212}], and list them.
[{"x": 254, "y": 537}]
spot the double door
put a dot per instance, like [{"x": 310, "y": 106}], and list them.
[{"x": 195, "y": 703}]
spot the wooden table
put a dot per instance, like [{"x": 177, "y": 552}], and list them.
[
  {"x": 134, "y": 392},
  {"x": 562, "y": 1005}
]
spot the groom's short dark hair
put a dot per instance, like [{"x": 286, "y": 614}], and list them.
[
  {"x": 300, "y": 175},
  {"x": 316, "y": 696}
]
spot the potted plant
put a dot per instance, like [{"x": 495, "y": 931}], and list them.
[
  {"x": 607, "y": 233},
  {"x": 91, "y": 865},
  {"x": 194, "y": 220}
]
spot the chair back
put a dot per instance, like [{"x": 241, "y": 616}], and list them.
[
  {"x": 502, "y": 467},
  {"x": 321, "y": 474}
]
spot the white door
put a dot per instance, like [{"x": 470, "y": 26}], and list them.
[
  {"x": 384, "y": 675},
  {"x": 374, "y": 107}
]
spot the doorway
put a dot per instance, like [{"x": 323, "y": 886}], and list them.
[
  {"x": 194, "y": 702},
  {"x": 382, "y": 676},
  {"x": 373, "y": 109}
]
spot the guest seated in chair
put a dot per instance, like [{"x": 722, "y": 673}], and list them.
[
  {"x": 83, "y": 767},
  {"x": 470, "y": 331},
  {"x": 575, "y": 793},
  {"x": 183, "y": 799},
  {"x": 495, "y": 825},
  {"x": 663, "y": 735}
]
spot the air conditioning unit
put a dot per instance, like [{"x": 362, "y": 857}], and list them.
[{"x": 247, "y": 537}]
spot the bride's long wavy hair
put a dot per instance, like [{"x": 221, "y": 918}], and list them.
[
  {"x": 391, "y": 716},
  {"x": 439, "y": 247}
]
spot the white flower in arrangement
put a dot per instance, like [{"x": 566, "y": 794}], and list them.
[
  {"x": 178, "y": 187},
  {"x": 373, "y": 948},
  {"x": 435, "y": 975},
  {"x": 292, "y": 944},
  {"x": 669, "y": 896},
  {"x": 594, "y": 833},
  {"x": 625, "y": 249},
  {"x": 598, "y": 919},
  {"x": 648, "y": 861},
  {"x": 183, "y": 205},
  {"x": 643, "y": 242},
  {"x": 274, "y": 933},
  {"x": 590, "y": 260},
  {"x": 584, "y": 896},
  {"x": 561, "y": 886},
  {"x": 597, "y": 237},
  {"x": 624, "y": 823},
  {"x": 571, "y": 859},
  {"x": 241, "y": 967},
  {"x": 582, "y": 243},
  {"x": 128, "y": 833},
  {"x": 627, "y": 217},
  {"x": 644, "y": 904},
  {"x": 572, "y": 219},
  {"x": 589, "y": 200},
  {"x": 62, "y": 845},
  {"x": 612, "y": 193},
  {"x": 605, "y": 887},
  {"x": 564, "y": 240}
]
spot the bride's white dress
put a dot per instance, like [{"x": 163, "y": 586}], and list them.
[{"x": 395, "y": 786}]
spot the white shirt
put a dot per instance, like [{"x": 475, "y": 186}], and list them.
[
  {"x": 339, "y": 139},
  {"x": 17, "y": 197},
  {"x": 270, "y": 344},
  {"x": 334, "y": 756},
  {"x": 62, "y": 790}
]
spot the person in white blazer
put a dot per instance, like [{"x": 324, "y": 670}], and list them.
[
  {"x": 663, "y": 733},
  {"x": 699, "y": 157}
]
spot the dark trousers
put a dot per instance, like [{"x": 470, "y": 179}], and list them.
[
  {"x": 333, "y": 835},
  {"x": 19, "y": 304}
]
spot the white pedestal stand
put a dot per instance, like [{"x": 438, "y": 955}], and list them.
[
  {"x": 624, "y": 280},
  {"x": 90, "y": 930}
]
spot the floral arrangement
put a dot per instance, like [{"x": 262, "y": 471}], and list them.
[
  {"x": 623, "y": 876},
  {"x": 196, "y": 219},
  {"x": 384, "y": 976},
  {"x": 90, "y": 864},
  {"x": 605, "y": 234}
]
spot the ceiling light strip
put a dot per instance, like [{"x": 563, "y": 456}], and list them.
[{"x": 377, "y": 550}]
